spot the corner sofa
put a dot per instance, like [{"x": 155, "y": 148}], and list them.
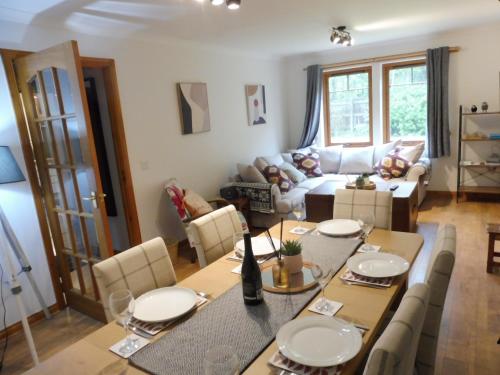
[{"x": 268, "y": 204}]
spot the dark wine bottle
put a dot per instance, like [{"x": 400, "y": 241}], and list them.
[{"x": 251, "y": 278}]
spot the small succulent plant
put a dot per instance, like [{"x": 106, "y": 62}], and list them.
[{"x": 291, "y": 247}]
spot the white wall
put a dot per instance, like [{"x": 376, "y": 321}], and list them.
[
  {"x": 474, "y": 78},
  {"x": 147, "y": 77}
]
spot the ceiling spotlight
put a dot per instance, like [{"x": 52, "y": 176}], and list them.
[
  {"x": 341, "y": 36},
  {"x": 233, "y": 4},
  {"x": 217, "y": 2}
]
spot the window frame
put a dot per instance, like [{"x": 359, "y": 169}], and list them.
[
  {"x": 326, "y": 105},
  {"x": 386, "y": 68}
]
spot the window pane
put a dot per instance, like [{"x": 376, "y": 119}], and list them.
[
  {"x": 349, "y": 110},
  {"x": 408, "y": 102}
]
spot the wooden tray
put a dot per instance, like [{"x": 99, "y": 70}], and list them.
[
  {"x": 370, "y": 186},
  {"x": 300, "y": 281}
]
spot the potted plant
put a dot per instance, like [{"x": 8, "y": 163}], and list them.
[{"x": 292, "y": 255}]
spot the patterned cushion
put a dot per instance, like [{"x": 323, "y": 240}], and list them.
[
  {"x": 307, "y": 164},
  {"x": 275, "y": 175},
  {"x": 393, "y": 165},
  {"x": 177, "y": 197}
]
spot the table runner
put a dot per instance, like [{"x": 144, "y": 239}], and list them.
[{"x": 228, "y": 321}]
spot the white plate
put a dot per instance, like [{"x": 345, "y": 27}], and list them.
[
  {"x": 260, "y": 246},
  {"x": 164, "y": 304},
  {"x": 339, "y": 227},
  {"x": 378, "y": 264},
  {"x": 319, "y": 341}
]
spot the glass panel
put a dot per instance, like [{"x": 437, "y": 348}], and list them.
[
  {"x": 57, "y": 128},
  {"x": 79, "y": 240},
  {"x": 56, "y": 188},
  {"x": 93, "y": 239},
  {"x": 46, "y": 140},
  {"x": 50, "y": 92},
  {"x": 408, "y": 102},
  {"x": 66, "y": 236},
  {"x": 72, "y": 265},
  {"x": 34, "y": 88},
  {"x": 350, "y": 108},
  {"x": 85, "y": 188},
  {"x": 69, "y": 189},
  {"x": 76, "y": 150},
  {"x": 67, "y": 96},
  {"x": 87, "y": 277}
]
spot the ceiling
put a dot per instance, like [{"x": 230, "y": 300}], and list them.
[{"x": 261, "y": 27}]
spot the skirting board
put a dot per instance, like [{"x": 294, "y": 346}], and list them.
[{"x": 36, "y": 317}]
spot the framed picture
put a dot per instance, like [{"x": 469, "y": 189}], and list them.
[
  {"x": 193, "y": 107},
  {"x": 256, "y": 104}
]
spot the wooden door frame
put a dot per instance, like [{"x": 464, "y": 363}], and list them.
[{"x": 120, "y": 147}]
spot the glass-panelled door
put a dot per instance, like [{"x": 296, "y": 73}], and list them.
[{"x": 53, "y": 95}]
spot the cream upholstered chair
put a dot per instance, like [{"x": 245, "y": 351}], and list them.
[
  {"x": 395, "y": 350},
  {"x": 140, "y": 269},
  {"x": 438, "y": 278},
  {"x": 349, "y": 203},
  {"x": 212, "y": 234}
]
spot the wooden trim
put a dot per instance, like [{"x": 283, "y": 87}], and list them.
[
  {"x": 440, "y": 194},
  {"x": 399, "y": 56},
  {"x": 36, "y": 317},
  {"x": 386, "y": 68},
  {"x": 8, "y": 57},
  {"x": 326, "y": 105}
]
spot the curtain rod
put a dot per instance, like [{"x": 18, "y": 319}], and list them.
[{"x": 381, "y": 58}]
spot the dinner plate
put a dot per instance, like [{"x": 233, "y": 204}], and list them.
[
  {"x": 164, "y": 304},
  {"x": 260, "y": 246},
  {"x": 378, "y": 264},
  {"x": 319, "y": 341},
  {"x": 339, "y": 227}
]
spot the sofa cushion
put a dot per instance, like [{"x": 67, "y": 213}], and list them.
[
  {"x": 307, "y": 164},
  {"x": 295, "y": 175},
  {"x": 329, "y": 158},
  {"x": 275, "y": 175},
  {"x": 260, "y": 164},
  {"x": 312, "y": 183},
  {"x": 412, "y": 153},
  {"x": 382, "y": 150},
  {"x": 177, "y": 197},
  {"x": 393, "y": 165},
  {"x": 287, "y": 156},
  {"x": 276, "y": 160},
  {"x": 250, "y": 173},
  {"x": 357, "y": 160},
  {"x": 288, "y": 200}
]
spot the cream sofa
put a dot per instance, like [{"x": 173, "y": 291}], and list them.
[{"x": 281, "y": 204}]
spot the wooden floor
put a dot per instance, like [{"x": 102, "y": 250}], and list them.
[{"x": 471, "y": 322}]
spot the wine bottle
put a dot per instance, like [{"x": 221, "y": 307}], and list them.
[{"x": 251, "y": 278}]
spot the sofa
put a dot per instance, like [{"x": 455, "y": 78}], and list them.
[{"x": 269, "y": 203}]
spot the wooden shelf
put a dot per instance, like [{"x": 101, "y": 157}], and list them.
[
  {"x": 477, "y": 165},
  {"x": 480, "y": 189},
  {"x": 481, "y": 113},
  {"x": 480, "y": 140}
]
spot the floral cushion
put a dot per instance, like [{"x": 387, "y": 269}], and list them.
[
  {"x": 275, "y": 175},
  {"x": 177, "y": 197},
  {"x": 307, "y": 164},
  {"x": 393, "y": 165}
]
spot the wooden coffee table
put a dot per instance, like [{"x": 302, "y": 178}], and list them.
[{"x": 319, "y": 204}]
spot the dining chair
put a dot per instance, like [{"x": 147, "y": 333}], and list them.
[
  {"x": 140, "y": 269},
  {"x": 437, "y": 277},
  {"x": 350, "y": 203},
  {"x": 395, "y": 351},
  {"x": 212, "y": 234}
]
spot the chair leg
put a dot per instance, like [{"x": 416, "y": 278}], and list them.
[
  {"x": 194, "y": 256},
  {"x": 491, "y": 253}
]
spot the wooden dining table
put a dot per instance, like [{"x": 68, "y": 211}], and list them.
[{"x": 361, "y": 305}]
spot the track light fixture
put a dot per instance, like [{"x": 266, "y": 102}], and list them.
[
  {"x": 233, "y": 4},
  {"x": 217, "y": 2},
  {"x": 341, "y": 36}
]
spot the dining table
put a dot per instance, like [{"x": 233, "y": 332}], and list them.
[{"x": 362, "y": 305}]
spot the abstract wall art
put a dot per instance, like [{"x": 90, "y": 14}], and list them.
[
  {"x": 256, "y": 104},
  {"x": 193, "y": 107}
]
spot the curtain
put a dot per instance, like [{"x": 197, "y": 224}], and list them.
[
  {"x": 438, "y": 127},
  {"x": 313, "y": 105}
]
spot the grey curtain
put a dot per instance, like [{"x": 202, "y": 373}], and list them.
[
  {"x": 438, "y": 127},
  {"x": 313, "y": 105}
]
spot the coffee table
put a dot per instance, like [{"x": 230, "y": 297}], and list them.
[{"x": 319, "y": 204}]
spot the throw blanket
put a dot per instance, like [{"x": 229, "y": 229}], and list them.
[{"x": 259, "y": 195}]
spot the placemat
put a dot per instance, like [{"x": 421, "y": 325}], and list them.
[{"x": 228, "y": 321}]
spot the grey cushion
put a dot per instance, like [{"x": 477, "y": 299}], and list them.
[
  {"x": 357, "y": 160},
  {"x": 249, "y": 173},
  {"x": 382, "y": 150},
  {"x": 295, "y": 175},
  {"x": 329, "y": 158},
  {"x": 395, "y": 350}
]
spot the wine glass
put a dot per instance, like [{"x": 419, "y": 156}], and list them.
[
  {"x": 299, "y": 211},
  {"x": 366, "y": 222},
  {"x": 322, "y": 273},
  {"x": 122, "y": 305},
  {"x": 221, "y": 360},
  {"x": 237, "y": 237}
]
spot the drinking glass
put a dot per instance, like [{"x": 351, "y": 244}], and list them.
[
  {"x": 299, "y": 211},
  {"x": 322, "y": 273},
  {"x": 366, "y": 222},
  {"x": 221, "y": 360},
  {"x": 237, "y": 237},
  {"x": 122, "y": 305}
]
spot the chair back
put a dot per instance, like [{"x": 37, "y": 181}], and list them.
[
  {"x": 350, "y": 203},
  {"x": 140, "y": 269},
  {"x": 438, "y": 278},
  {"x": 394, "y": 352},
  {"x": 213, "y": 234}
]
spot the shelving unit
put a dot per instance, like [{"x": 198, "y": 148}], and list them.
[{"x": 481, "y": 168}]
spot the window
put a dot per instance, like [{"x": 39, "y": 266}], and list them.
[
  {"x": 347, "y": 106},
  {"x": 405, "y": 101}
]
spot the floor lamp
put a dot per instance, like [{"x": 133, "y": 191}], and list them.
[{"x": 10, "y": 173}]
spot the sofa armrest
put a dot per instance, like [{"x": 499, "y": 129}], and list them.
[
  {"x": 262, "y": 197},
  {"x": 421, "y": 169}
]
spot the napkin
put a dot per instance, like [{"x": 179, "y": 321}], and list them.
[
  {"x": 141, "y": 342},
  {"x": 282, "y": 362},
  {"x": 334, "y": 307},
  {"x": 369, "y": 248},
  {"x": 379, "y": 282},
  {"x": 299, "y": 230}
]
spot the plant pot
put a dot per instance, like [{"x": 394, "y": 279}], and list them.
[{"x": 294, "y": 263}]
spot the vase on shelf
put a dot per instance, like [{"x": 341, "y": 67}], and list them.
[
  {"x": 473, "y": 109},
  {"x": 484, "y": 106}
]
